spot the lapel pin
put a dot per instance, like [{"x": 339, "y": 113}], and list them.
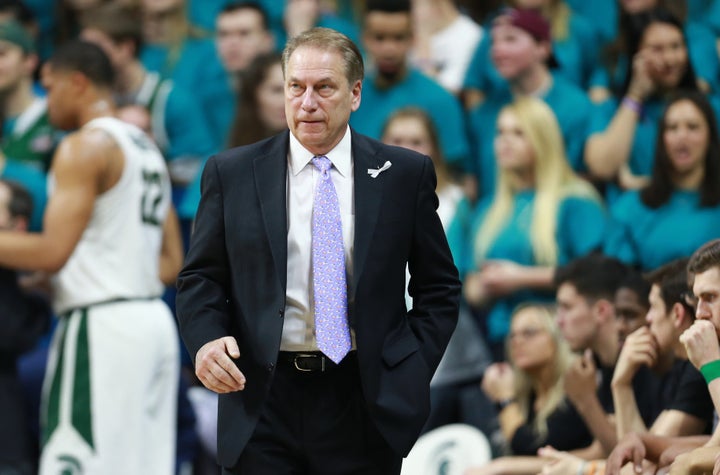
[{"x": 374, "y": 172}]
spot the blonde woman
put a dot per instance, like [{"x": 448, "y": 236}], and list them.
[
  {"x": 541, "y": 215},
  {"x": 529, "y": 394}
]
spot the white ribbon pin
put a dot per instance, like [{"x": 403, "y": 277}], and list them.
[{"x": 374, "y": 172}]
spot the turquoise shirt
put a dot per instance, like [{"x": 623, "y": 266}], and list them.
[
  {"x": 196, "y": 67},
  {"x": 642, "y": 152},
  {"x": 650, "y": 238},
  {"x": 570, "y": 104},
  {"x": 418, "y": 90},
  {"x": 580, "y": 229},
  {"x": 603, "y": 16}
]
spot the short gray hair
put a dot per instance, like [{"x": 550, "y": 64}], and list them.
[{"x": 327, "y": 39}]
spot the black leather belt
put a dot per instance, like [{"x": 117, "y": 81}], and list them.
[{"x": 309, "y": 361}]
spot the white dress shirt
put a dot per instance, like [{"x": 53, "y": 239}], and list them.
[{"x": 299, "y": 327}]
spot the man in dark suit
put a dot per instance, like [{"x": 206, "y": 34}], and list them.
[{"x": 317, "y": 378}]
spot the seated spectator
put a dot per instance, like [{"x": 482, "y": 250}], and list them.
[
  {"x": 178, "y": 123},
  {"x": 391, "y": 82},
  {"x": 683, "y": 190},
  {"x": 243, "y": 33},
  {"x": 27, "y": 135},
  {"x": 522, "y": 53},
  {"x": 413, "y": 128},
  {"x": 260, "y": 114},
  {"x": 631, "y": 303},
  {"x": 444, "y": 41},
  {"x": 178, "y": 50},
  {"x": 684, "y": 404},
  {"x": 301, "y": 15},
  {"x": 575, "y": 45},
  {"x": 586, "y": 317},
  {"x": 23, "y": 320},
  {"x": 687, "y": 454},
  {"x": 700, "y": 44},
  {"x": 529, "y": 394},
  {"x": 542, "y": 215},
  {"x": 620, "y": 149}
]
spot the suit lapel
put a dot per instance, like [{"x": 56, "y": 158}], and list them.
[
  {"x": 368, "y": 194},
  {"x": 270, "y": 172}
]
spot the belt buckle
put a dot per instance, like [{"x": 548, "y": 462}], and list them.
[{"x": 308, "y": 355}]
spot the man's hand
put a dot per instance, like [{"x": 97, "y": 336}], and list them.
[
  {"x": 560, "y": 463},
  {"x": 630, "y": 449},
  {"x": 216, "y": 370},
  {"x": 581, "y": 380},
  {"x": 701, "y": 343},
  {"x": 640, "y": 348}
]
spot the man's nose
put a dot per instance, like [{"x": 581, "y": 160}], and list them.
[{"x": 309, "y": 101}]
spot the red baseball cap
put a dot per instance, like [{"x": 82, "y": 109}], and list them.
[{"x": 534, "y": 23}]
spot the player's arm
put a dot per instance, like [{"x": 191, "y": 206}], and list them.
[
  {"x": 171, "y": 255},
  {"x": 78, "y": 167}
]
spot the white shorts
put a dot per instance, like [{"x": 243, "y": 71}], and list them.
[{"x": 110, "y": 391}]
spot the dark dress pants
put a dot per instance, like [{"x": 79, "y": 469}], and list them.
[{"x": 316, "y": 423}]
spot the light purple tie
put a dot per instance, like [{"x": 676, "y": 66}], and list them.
[{"x": 328, "y": 260}]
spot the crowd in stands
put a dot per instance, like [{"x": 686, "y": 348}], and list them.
[{"x": 576, "y": 146}]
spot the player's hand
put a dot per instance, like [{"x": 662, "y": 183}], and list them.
[
  {"x": 639, "y": 349},
  {"x": 215, "y": 368}
]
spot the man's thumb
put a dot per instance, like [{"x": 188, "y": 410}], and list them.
[{"x": 231, "y": 347}]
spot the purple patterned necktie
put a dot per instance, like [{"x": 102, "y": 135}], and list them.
[{"x": 328, "y": 260}]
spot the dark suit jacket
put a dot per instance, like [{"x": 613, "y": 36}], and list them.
[{"x": 235, "y": 275}]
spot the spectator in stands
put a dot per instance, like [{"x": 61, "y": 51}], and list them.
[
  {"x": 687, "y": 454},
  {"x": 393, "y": 82},
  {"x": 586, "y": 317},
  {"x": 683, "y": 190},
  {"x": 23, "y": 320},
  {"x": 177, "y": 121},
  {"x": 529, "y": 394},
  {"x": 631, "y": 303},
  {"x": 621, "y": 146},
  {"x": 27, "y": 135},
  {"x": 542, "y": 215},
  {"x": 700, "y": 44},
  {"x": 683, "y": 400},
  {"x": 301, "y": 15},
  {"x": 522, "y": 52},
  {"x": 575, "y": 44},
  {"x": 243, "y": 33},
  {"x": 413, "y": 128},
  {"x": 444, "y": 41},
  {"x": 180, "y": 51},
  {"x": 260, "y": 114}
]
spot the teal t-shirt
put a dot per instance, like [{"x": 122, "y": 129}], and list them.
[
  {"x": 581, "y": 227},
  {"x": 649, "y": 238}
]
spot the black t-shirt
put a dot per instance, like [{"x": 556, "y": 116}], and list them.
[
  {"x": 684, "y": 389},
  {"x": 566, "y": 431},
  {"x": 646, "y": 386}
]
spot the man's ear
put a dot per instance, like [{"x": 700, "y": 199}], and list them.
[
  {"x": 604, "y": 310},
  {"x": 680, "y": 316}
]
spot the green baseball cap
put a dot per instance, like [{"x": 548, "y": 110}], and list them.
[{"x": 12, "y": 32}]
